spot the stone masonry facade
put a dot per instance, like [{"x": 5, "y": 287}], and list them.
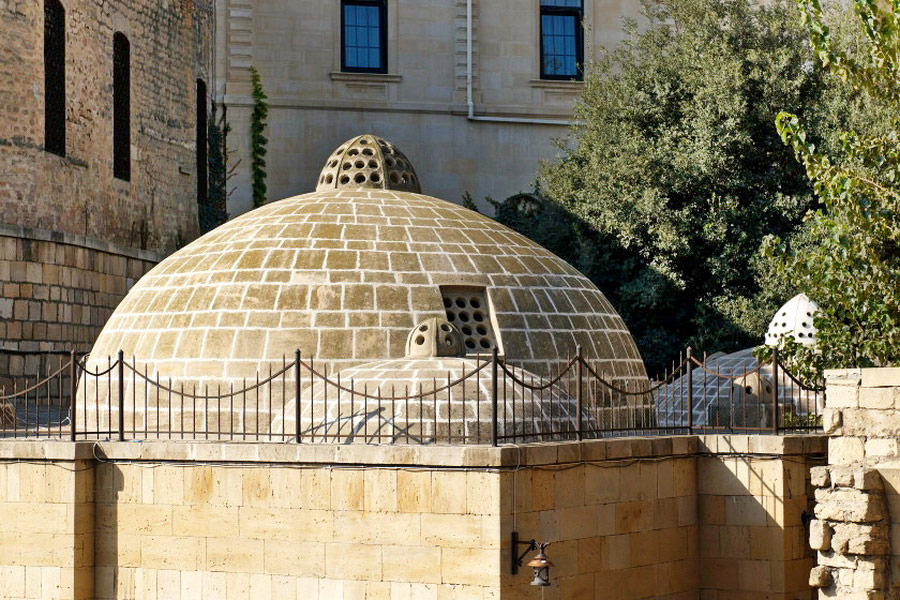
[
  {"x": 74, "y": 238},
  {"x": 170, "y": 50}
]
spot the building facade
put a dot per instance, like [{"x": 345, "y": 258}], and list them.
[
  {"x": 99, "y": 110},
  {"x": 476, "y": 90}
]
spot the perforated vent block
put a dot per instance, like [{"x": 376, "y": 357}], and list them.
[{"x": 468, "y": 308}]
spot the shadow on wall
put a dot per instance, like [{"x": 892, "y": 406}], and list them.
[
  {"x": 109, "y": 555},
  {"x": 752, "y": 532},
  {"x": 721, "y": 524}
]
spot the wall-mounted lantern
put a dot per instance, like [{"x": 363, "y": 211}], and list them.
[{"x": 540, "y": 563}]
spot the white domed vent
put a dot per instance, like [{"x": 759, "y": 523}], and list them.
[
  {"x": 368, "y": 162},
  {"x": 433, "y": 338},
  {"x": 795, "y": 319}
]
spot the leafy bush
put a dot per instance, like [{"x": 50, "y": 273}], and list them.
[{"x": 853, "y": 268}]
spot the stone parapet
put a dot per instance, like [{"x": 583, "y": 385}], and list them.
[{"x": 668, "y": 518}]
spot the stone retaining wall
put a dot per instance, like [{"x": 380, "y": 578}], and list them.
[
  {"x": 58, "y": 290},
  {"x": 675, "y": 518}
]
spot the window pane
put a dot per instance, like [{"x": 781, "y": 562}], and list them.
[
  {"x": 560, "y": 44},
  {"x": 562, "y": 3},
  {"x": 54, "y": 77},
  {"x": 363, "y": 36},
  {"x": 121, "y": 107}
]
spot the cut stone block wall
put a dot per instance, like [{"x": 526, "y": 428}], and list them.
[
  {"x": 856, "y": 514},
  {"x": 627, "y": 519},
  {"x": 752, "y": 493},
  {"x": 47, "y": 531},
  {"x": 58, "y": 290}
]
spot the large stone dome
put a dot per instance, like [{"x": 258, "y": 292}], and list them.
[{"x": 344, "y": 274}]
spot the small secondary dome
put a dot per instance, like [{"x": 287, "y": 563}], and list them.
[
  {"x": 368, "y": 162},
  {"x": 795, "y": 319}
]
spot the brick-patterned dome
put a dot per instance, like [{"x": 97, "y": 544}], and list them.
[{"x": 344, "y": 275}]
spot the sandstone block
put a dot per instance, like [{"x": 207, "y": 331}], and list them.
[
  {"x": 841, "y": 476},
  {"x": 853, "y": 538},
  {"x": 845, "y": 504},
  {"x": 820, "y": 577},
  {"x": 353, "y": 561},
  {"x": 471, "y": 566},
  {"x": 412, "y": 563},
  {"x": 877, "y": 398},
  {"x": 881, "y": 377},
  {"x": 869, "y": 579},
  {"x": 867, "y": 479},
  {"x": 836, "y": 560},
  {"x": 845, "y": 450},
  {"x": 819, "y": 477},
  {"x": 819, "y": 535},
  {"x": 881, "y": 447},
  {"x": 842, "y": 396}
]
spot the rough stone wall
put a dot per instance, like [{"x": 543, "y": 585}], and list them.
[
  {"x": 57, "y": 291},
  {"x": 170, "y": 50},
  {"x": 180, "y": 520},
  {"x": 854, "y": 532}
]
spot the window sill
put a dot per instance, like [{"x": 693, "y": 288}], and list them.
[
  {"x": 570, "y": 85},
  {"x": 365, "y": 77}
]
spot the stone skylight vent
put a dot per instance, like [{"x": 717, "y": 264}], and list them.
[
  {"x": 468, "y": 308},
  {"x": 368, "y": 162}
]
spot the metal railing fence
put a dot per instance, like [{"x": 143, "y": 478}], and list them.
[{"x": 483, "y": 399}]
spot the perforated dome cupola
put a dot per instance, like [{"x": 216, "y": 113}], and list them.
[{"x": 368, "y": 162}]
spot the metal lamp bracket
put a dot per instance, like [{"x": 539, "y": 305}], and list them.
[{"x": 516, "y": 558}]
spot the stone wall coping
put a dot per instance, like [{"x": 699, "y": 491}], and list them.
[
  {"x": 428, "y": 456},
  {"x": 71, "y": 239},
  {"x": 872, "y": 377},
  {"x": 45, "y": 450},
  {"x": 883, "y": 377}
]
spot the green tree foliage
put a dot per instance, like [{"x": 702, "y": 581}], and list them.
[
  {"x": 214, "y": 211},
  {"x": 258, "y": 141},
  {"x": 852, "y": 269},
  {"x": 673, "y": 174}
]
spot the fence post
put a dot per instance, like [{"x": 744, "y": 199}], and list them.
[
  {"x": 73, "y": 389},
  {"x": 775, "y": 390},
  {"x": 690, "y": 386},
  {"x": 297, "y": 392},
  {"x": 494, "y": 393},
  {"x": 579, "y": 386},
  {"x": 121, "y": 368}
]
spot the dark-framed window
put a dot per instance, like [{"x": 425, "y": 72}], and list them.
[
  {"x": 121, "y": 107},
  {"x": 562, "y": 39},
  {"x": 54, "y": 77},
  {"x": 364, "y": 36},
  {"x": 202, "y": 141}
]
